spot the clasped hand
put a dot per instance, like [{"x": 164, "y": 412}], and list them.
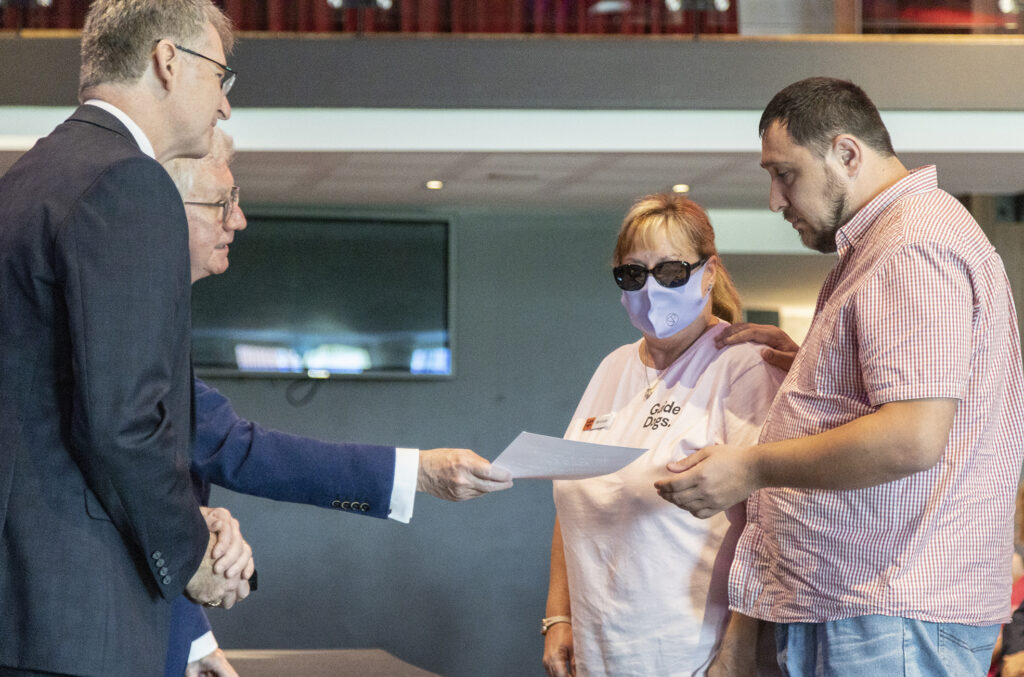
[
  {"x": 223, "y": 576},
  {"x": 710, "y": 480}
]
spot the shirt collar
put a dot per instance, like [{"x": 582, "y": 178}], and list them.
[
  {"x": 917, "y": 180},
  {"x": 140, "y": 136}
]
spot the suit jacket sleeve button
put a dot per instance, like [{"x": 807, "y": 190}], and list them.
[
  {"x": 160, "y": 562},
  {"x": 364, "y": 507},
  {"x": 335, "y": 503},
  {"x": 167, "y": 580},
  {"x": 157, "y": 554},
  {"x": 163, "y": 571},
  {"x": 346, "y": 506}
]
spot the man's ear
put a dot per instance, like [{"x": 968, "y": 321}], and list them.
[
  {"x": 849, "y": 153},
  {"x": 166, "y": 63}
]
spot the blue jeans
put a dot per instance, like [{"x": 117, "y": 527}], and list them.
[{"x": 888, "y": 646}]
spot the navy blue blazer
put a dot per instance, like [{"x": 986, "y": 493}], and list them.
[
  {"x": 100, "y": 527},
  {"x": 240, "y": 455}
]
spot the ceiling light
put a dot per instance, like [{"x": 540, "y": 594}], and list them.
[
  {"x": 434, "y": 184},
  {"x": 681, "y": 188}
]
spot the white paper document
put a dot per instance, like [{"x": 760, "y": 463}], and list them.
[{"x": 536, "y": 456}]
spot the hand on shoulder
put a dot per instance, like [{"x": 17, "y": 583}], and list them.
[{"x": 779, "y": 349}]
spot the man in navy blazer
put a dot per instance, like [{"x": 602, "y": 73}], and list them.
[
  {"x": 99, "y": 528},
  {"x": 242, "y": 456}
]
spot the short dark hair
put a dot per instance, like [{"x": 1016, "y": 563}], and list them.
[{"x": 816, "y": 110}]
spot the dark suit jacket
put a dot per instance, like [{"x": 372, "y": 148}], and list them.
[
  {"x": 100, "y": 527},
  {"x": 245, "y": 457}
]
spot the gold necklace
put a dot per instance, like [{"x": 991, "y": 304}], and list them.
[{"x": 650, "y": 386}]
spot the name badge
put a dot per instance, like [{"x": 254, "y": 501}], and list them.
[{"x": 598, "y": 422}]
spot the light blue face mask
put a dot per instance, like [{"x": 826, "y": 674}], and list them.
[{"x": 663, "y": 311}]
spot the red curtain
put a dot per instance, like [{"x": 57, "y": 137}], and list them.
[
  {"x": 68, "y": 14},
  {"x": 627, "y": 17}
]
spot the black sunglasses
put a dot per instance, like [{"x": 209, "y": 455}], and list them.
[{"x": 633, "y": 276}]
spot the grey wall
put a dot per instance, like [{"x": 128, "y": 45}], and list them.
[
  {"x": 786, "y": 17},
  {"x": 396, "y": 71},
  {"x": 461, "y": 589}
]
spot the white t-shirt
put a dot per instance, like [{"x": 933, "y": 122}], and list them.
[{"x": 647, "y": 580}]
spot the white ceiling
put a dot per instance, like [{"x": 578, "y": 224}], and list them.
[
  {"x": 557, "y": 180},
  {"x": 566, "y": 180},
  {"x": 552, "y": 180},
  {"x": 549, "y": 159}
]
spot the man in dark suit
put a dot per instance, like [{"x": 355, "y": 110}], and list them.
[
  {"x": 376, "y": 481},
  {"x": 100, "y": 528}
]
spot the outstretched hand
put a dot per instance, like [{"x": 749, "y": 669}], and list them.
[
  {"x": 459, "y": 474},
  {"x": 779, "y": 350}
]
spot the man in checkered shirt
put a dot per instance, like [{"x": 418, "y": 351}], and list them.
[{"x": 881, "y": 494}]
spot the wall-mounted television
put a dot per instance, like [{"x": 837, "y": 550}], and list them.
[{"x": 321, "y": 295}]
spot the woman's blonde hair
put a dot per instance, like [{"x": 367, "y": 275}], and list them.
[{"x": 683, "y": 223}]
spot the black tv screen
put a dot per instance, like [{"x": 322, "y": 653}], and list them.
[{"x": 320, "y": 296}]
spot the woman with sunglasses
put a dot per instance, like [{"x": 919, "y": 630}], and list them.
[{"x": 638, "y": 587}]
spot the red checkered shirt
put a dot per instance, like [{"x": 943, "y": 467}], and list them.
[{"x": 918, "y": 306}]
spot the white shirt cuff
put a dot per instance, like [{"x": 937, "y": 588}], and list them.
[
  {"x": 403, "y": 492},
  {"x": 202, "y": 646}
]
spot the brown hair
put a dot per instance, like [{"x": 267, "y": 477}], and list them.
[
  {"x": 816, "y": 110},
  {"x": 685, "y": 223}
]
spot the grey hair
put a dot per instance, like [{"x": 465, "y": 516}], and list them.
[
  {"x": 119, "y": 35},
  {"x": 183, "y": 170}
]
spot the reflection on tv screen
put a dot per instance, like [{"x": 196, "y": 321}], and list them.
[{"x": 317, "y": 297}]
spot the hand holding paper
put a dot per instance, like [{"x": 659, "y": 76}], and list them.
[
  {"x": 458, "y": 475},
  {"x": 542, "y": 457}
]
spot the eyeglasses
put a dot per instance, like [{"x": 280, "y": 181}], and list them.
[
  {"x": 226, "y": 206},
  {"x": 633, "y": 276},
  {"x": 227, "y": 79}
]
